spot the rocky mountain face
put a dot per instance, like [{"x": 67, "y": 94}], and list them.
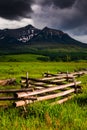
[
  {"x": 23, "y": 34},
  {"x": 48, "y": 35},
  {"x": 30, "y": 34},
  {"x": 52, "y": 35}
]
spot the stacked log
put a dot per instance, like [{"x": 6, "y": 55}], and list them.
[
  {"x": 62, "y": 85},
  {"x": 5, "y": 82},
  {"x": 46, "y": 97}
]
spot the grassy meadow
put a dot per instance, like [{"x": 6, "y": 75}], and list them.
[{"x": 71, "y": 115}]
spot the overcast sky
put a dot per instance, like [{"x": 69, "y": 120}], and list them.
[{"x": 68, "y": 15}]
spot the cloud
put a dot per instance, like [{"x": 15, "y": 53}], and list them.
[
  {"x": 15, "y": 9},
  {"x": 62, "y": 14},
  {"x": 68, "y": 15},
  {"x": 5, "y": 23},
  {"x": 59, "y": 3}
]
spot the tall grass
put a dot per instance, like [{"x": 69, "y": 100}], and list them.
[{"x": 71, "y": 115}]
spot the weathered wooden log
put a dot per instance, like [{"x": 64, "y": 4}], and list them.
[
  {"x": 79, "y": 72},
  {"x": 24, "y": 85},
  {"x": 13, "y": 98},
  {"x": 24, "y": 94},
  {"x": 58, "y": 80},
  {"x": 41, "y": 79},
  {"x": 59, "y": 76},
  {"x": 22, "y": 103},
  {"x": 49, "y": 74},
  {"x": 62, "y": 100},
  {"x": 56, "y": 95},
  {"x": 23, "y": 81},
  {"x": 40, "y": 84},
  {"x": 38, "y": 88},
  {"x": 65, "y": 73},
  {"x": 46, "y": 80},
  {"x": 47, "y": 85},
  {"x": 15, "y": 90},
  {"x": 7, "y": 81}
]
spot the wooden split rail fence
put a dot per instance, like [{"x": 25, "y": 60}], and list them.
[{"x": 60, "y": 86}]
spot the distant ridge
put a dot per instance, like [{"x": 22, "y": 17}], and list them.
[
  {"x": 24, "y": 38},
  {"x": 25, "y": 34}
]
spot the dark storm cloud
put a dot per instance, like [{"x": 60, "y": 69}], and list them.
[
  {"x": 64, "y": 14},
  {"x": 14, "y": 9},
  {"x": 76, "y": 17},
  {"x": 61, "y": 14},
  {"x": 59, "y": 3}
]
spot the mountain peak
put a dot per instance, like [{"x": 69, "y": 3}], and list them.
[
  {"x": 23, "y": 34},
  {"x": 51, "y": 30},
  {"x": 29, "y": 26},
  {"x": 46, "y": 28},
  {"x": 30, "y": 33},
  {"x": 49, "y": 35}
]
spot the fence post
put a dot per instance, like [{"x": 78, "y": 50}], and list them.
[
  {"x": 67, "y": 76},
  {"x": 27, "y": 84},
  {"x": 75, "y": 85}
]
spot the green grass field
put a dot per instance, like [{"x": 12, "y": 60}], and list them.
[
  {"x": 19, "y": 58},
  {"x": 71, "y": 115}
]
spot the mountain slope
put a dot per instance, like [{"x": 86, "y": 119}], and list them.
[
  {"x": 28, "y": 38},
  {"x": 23, "y": 34},
  {"x": 48, "y": 35},
  {"x": 53, "y": 35}
]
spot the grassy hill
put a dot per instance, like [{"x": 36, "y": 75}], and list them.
[
  {"x": 21, "y": 58},
  {"x": 45, "y": 52}
]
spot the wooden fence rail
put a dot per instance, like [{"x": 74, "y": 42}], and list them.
[
  {"x": 61, "y": 86},
  {"x": 7, "y": 82},
  {"x": 24, "y": 94}
]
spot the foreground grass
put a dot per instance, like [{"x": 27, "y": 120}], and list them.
[
  {"x": 41, "y": 116},
  {"x": 71, "y": 115}
]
